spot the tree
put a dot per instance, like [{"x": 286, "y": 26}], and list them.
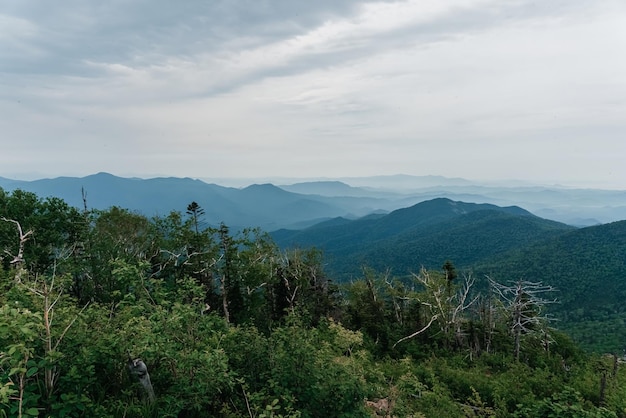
[
  {"x": 38, "y": 358},
  {"x": 184, "y": 253},
  {"x": 227, "y": 274},
  {"x": 196, "y": 212},
  {"x": 380, "y": 307},
  {"x": 257, "y": 259},
  {"x": 18, "y": 342},
  {"x": 301, "y": 285},
  {"x": 57, "y": 226},
  {"x": 444, "y": 307},
  {"x": 524, "y": 302},
  {"x": 115, "y": 235},
  {"x": 450, "y": 272},
  {"x": 18, "y": 259}
]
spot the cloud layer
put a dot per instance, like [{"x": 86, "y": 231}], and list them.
[{"x": 470, "y": 88}]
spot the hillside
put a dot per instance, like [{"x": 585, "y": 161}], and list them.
[
  {"x": 425, "y": 234},
  {"x": 588, "y": 266}
]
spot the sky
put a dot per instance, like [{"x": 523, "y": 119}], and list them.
[{"x": 478, "y": 89}]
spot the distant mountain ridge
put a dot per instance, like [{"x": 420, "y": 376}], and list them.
[
  {"x": 264, "y": 206},
  {"x": 303, "y": 204}
]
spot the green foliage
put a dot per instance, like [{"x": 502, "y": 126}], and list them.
[
  {"x": 19, "y": 331},
  {"x": 565, "y": 404},
  {"x": 228, "y": 325},
  {"x": 586, "y": 266},
  {"x": 424, "y": 235},
  {"x": 56, "y": 226}
]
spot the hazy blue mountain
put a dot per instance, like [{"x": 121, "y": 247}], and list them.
[
  {"x": 580, "y": 207},
  {"x": 325, "y": 188},
  {"x": 265, "y": 206},
  {"x": 399, "y": 182},
  {"x": 302, "y": 204}
]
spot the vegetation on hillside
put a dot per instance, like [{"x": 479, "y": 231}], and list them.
[
  {"x": 588, "y": 265},
  {"x": 423, "y": 235},
  {"x": 109, "y": 314}
]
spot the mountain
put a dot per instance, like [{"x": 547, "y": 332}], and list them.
[
  {"x": 568, "y": 260},
  {"x": 405, "y": 182},
  {"x": 579, "y": 207},
  {"x": 324, "y": 188},
  {"x": 265, "y": 206},
  {"x": 418, "y": 224},
  {"x": 586, "y": 265},
  {"x": 302, "y": 204},
  {"x": 425, "y": 234}
]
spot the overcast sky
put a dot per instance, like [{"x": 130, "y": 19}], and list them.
[{"x": 480, "y": 89}]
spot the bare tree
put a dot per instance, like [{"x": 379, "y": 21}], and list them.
[
  {"x": 225, "y": 274},
  {"x": 18, "y": 260},
  {"x": 45, "y": 289},
  {"x": 444, "y": 306},
  {"x": 524, "y": 302},
  {"x": 416, "y": 333},
  {"x": 50, "y": 296},
  {"x": 400, "y": 296}
]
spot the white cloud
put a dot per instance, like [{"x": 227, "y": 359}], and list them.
[{"x": 211, "y": 89}]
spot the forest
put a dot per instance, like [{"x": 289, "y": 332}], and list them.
[{"x": 109, "y": 313}]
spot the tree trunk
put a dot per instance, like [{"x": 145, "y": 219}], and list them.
[
  {"x": 224, "y": 298},
  {"x": 139, "y": 369}
]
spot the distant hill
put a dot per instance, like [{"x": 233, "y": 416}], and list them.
[
  {"x": 578, "y": 207},
  {"x": 302, "y": 204},
  {"x": 425, "y": 234},
  {"x": 265, "y": 206},
  {"x": 325, "y": 188}
]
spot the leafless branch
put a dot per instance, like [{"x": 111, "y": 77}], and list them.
[
  {"x": 19, "y": 258},
  {"x": 417, "y": 332}
]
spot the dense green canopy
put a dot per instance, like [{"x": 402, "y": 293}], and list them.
[{"x": 229, "y": 325}]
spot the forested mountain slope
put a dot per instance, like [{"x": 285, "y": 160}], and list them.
[
  {"x": 425, "y": 234},
  {"x": 588, "y": 266},
  {"x": 590, "y": 262}
]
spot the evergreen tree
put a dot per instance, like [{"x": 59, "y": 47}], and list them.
[{"x": 196, "y": 212}]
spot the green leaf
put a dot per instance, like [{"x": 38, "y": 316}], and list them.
[
  {"x": 31, "y": 371},
  {"x": 16, "y": 370},
  {"x": 32, "y": 411}
]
